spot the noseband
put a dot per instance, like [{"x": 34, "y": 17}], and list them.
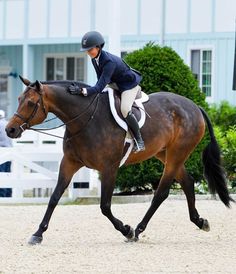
[{"x": 26, "y": 121}]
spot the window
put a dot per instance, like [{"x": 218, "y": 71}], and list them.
[
  {"x": 123, "y": 54},
  {"x": 4, "y": 90},
  {"x": 201, "y": 66},
  {"x": 65, "y": 68}
]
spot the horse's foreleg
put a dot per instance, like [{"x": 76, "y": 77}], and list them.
[
  {"x": 187, "y": 184},
  {"x": 107, "y": 186},
  {"x": 67, "y": 170}
]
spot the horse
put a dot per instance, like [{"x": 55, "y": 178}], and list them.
[{"x": 93, "y": 139}]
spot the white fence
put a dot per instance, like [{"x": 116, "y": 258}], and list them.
[{"x": 35, "y": 161}]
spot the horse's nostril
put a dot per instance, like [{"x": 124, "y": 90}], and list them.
[{"x": 10, "y": 131}]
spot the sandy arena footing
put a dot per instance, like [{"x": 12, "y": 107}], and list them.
[{"x": 81, "y": 240}]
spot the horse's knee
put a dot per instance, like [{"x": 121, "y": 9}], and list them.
[
  {"x": 105, "y": 208},
  {"x": 53, "y": 200},
  {"x": 160, "y": 196},
  {"x": 164, "y": 195}
]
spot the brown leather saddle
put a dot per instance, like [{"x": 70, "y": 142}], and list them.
[
  {"x": 135, "y": 107},
  {"x": 138, "y": 107}
]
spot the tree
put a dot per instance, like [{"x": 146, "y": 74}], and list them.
[{"x": 162, "y": 70}]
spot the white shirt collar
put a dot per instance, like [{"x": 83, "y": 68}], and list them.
[{"x": 97, "y": 59}]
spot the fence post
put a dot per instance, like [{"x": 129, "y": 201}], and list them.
[{"x": 17, "y": 171}]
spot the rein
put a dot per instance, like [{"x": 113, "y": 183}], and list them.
[{"x": 41, "y": 130}]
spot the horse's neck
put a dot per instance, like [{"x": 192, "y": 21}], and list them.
[{"x": 66, "y": 107}]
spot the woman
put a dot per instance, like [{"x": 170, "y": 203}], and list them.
[{"x": 112, "y": 70}]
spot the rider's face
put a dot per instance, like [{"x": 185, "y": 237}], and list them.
[{"x": 93, "y": 52}]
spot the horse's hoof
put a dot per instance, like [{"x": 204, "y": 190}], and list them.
[
  {"x": 136, "y": 239},
  {"x": 130, "y": 236},
  {"x": 205, "y": 225},
  {"x": 35, "y": 240}
]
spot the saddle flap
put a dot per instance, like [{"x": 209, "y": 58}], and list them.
[{"x": 137, "y": 109}]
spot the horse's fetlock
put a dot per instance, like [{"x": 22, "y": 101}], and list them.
[
  {"x": 194, "y": 219},
  {"x": 43, "y": 227},
  {"x": 141, "y": 228}
]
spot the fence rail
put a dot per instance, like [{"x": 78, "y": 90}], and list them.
[{"x": 35, "y": 164}]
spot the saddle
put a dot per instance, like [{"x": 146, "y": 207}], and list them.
[{"x": 138, "y": 110}]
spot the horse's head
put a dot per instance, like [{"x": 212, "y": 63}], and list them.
[{"x": 31, "y": 109}]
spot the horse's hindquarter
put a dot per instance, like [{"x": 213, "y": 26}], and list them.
[{"x": 175, "y": 121}]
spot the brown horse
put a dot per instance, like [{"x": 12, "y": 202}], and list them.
[{"x": 93, "y": 139}]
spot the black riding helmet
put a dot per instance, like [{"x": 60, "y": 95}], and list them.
[{"x": 91, "y": 40}]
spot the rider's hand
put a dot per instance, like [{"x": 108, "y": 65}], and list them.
[{"x": 75, "y": 89}]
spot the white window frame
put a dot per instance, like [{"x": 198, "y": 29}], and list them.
[
  {"x": 209, "y": 99},
  {"x": 7, "y": 70},
  {"x": 64, "y": 56}
]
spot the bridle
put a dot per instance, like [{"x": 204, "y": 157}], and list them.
[{"x": 26, "y": 121}]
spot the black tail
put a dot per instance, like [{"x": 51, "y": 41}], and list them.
[{"x": 213, "y": 170}]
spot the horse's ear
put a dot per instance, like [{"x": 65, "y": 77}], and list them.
[
  {"x": 39, "y": 85},
  {"x": 25, "y": 81}
]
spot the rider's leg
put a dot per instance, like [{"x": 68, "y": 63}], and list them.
[{"x": 127, "y": 100}]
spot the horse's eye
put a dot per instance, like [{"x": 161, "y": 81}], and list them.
[{"x": 31, "y": 104}]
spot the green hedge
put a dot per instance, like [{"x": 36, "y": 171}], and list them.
[
  {"x": 224, "y": 119},
  {"x": 162, "y": 70}
]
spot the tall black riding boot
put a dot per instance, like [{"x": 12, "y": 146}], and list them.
[{"x": 133, "y": 125}]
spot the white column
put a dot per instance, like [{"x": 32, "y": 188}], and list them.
[
  {"x": 163, "y": 23},
  {"x": 114, "y": 27},
  {"x": 28, "y": 65}
]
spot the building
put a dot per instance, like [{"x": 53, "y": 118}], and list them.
[{"x": 41, "y": 39}]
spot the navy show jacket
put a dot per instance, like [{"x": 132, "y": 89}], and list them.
[{"x": 112, "y": 69}]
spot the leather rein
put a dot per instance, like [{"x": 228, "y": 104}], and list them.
[{"x": 26, "y": 121}]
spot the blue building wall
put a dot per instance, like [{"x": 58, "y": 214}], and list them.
[
  {"x": 126, "y": 25},
  {"x": 14, "y": 57},
  {"x": 41, "y": 50}
]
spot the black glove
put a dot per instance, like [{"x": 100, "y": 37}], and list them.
[{"x": 74, "y": 89}]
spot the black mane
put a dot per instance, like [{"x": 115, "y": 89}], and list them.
[{"x": 64, "y": 83}]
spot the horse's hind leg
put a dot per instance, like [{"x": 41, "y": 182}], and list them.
[
  {"x": 108, "y": 178},
  {"x": 160, "y": 195},
  {"x": 187, "y": 184}
]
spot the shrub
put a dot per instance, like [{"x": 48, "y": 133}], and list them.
[
  {"x": 162, "y": 70},
  {"x": 223, "y": 115},
  {"x": 228, "y": 145}
]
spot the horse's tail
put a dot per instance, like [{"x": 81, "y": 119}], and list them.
[{"x": 213, "y": 171}]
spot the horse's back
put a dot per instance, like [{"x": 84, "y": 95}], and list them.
[{"x": 168, "y": 100}]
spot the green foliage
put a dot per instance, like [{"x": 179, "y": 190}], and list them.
[
  {"x": 223, "y": 115},
  {"x": 140, "y": 176},
  {"x": 227, "y": 141},
  {"x": 162, "y": 70}
]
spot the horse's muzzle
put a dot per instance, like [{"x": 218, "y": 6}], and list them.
[{"x": 13, "y": 132}]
